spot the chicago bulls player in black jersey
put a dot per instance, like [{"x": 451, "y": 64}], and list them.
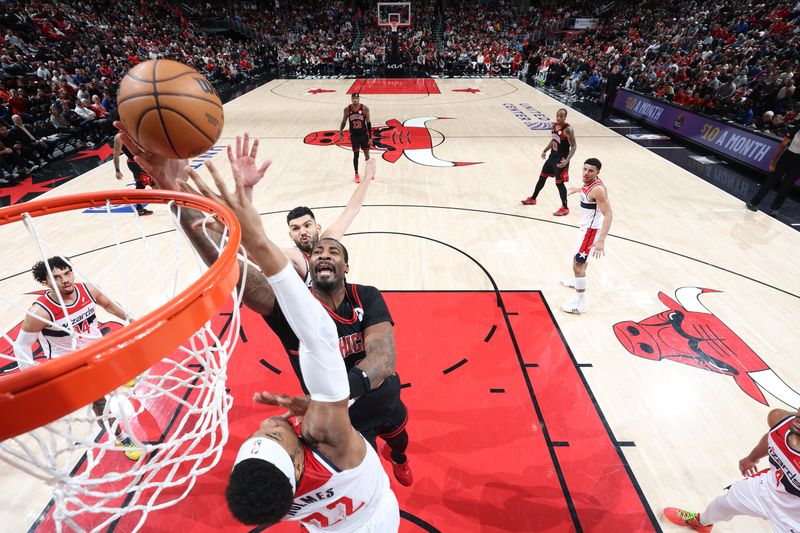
[
  {"x": 364, "y": 325},
  {"x": 360, "y": 129},
  {"x": 320, "y": 472},
  {"x": 772, "y": 493},
  {"x": 562, "y": 146},
  {"x": 141, "y": 179},
  {"x": 366, "y": 342}
]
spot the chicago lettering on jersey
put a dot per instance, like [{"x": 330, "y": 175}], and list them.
[
  {"x": 310, "y": 498},
  {"x": 350, "y": 344}
]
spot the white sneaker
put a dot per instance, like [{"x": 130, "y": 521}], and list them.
[
  {"x": 574, "y": 307},
  {"x": 568, "y": 283}
]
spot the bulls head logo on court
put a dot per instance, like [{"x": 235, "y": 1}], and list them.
[
  {"x": 689, "y": 333},
  {"x": 412, "y": 139}
]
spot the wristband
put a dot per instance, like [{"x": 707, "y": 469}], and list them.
[{"x": 359, "y": 382}]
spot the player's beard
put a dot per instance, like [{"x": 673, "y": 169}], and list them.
[
  {"x": 307, "y": 247},
  {"x": 325, "y": 285}
]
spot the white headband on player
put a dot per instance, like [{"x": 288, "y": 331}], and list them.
[{"x": 270, "y": 451}]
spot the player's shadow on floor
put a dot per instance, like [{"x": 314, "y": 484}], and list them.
[{"x": 509, "y": 507}]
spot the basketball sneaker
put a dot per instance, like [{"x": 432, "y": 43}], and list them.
[
  {"x": 144, "y": 212},
  {"x": 686, "y": 519},
  {"x": 357, "y": 179},
  {"x": 574, "y": 307},
  {"x": 561, "y": 212},
  {"x": 131, "y": 451},
  {"x": 401, "y": 471},
  {"x": 568, "y": 283},
  {"x": 529, "y": 201}
]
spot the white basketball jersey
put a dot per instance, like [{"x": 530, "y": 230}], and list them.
[
  {"x": 80, "y": 314},
  {"x": 784, "y": 464},
  {"x": 591, "y": 217},
  {"x": 329, "y": 499}
]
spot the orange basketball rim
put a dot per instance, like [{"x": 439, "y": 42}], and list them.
[{"x": 55, "y": 388}]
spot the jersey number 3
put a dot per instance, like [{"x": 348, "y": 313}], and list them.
[{"x": 342, "y": 504}]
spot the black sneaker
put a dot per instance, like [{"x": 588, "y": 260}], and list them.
[
  {"x": 751, "y": 206},
  {"x": 144, "y": 212}
]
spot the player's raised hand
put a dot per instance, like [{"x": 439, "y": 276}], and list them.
[
  {"x": 236, "y": 200},
  {"x": 573, "y": 190},
  {"x": 164, "y": 171},
  {"x": 243, "y": 161}
]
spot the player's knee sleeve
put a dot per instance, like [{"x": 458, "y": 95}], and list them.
[
  {"x": 580, "y": 284},
  {"x": 320, "y": 359}
]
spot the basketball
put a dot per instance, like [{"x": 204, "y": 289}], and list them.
[{"x": 170, "y": 109}]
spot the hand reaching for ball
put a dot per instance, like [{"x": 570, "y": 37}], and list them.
[{"x": 243, "y": 162}]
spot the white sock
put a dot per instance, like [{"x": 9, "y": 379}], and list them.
[{"x": 580, "y": 288}]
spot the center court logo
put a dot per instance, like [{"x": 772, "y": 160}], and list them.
[
  {"x": 411, "y": 139},
  {"x": 532, "y": 118}
]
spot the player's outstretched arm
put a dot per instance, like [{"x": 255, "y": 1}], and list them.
[
  {"x": 257, "y": 295},
  {"x": 353, "y": 207},
  {"x": 327, "y": 421},
  {"x": 265, "y": 253}
]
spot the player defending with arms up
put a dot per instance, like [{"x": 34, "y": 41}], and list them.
[
  {"x": 357, "y": 115},
  {"x": 322, "y": 473}
]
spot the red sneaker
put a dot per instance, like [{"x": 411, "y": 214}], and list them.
[
  {"x": 561, "y": 212},
  {"x": 357, "y": 179},
  {"x": 686, "y": 519},
  {"x": 529, "y": 201},
  {"x": 401, "y": 471}
]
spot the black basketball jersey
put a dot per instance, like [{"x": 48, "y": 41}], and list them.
[
  {"x": 133, "y": 165},
  {"x": 363, "y": 306},
  {"x": 560, "y": 146},
  {"x": 358, "y": 124}
]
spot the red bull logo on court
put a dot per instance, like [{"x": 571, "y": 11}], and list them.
[
  {"x": 411, "y": 139},
  {"x": 688, "y": 333}
]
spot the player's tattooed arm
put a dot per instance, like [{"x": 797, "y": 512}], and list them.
[{"x": 381, "y": 353}]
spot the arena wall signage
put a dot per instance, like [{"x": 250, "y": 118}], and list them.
[{"x": 729, "y": 140}]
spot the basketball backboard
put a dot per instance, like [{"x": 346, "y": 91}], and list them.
[{"x": 399, "y": 12}]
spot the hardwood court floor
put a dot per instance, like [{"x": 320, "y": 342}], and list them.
[{"x": 430, "y": 225}]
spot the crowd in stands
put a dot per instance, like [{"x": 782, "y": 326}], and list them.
[
  {"x": 61, "y": 64},
  {"x": 732, "y": 59}
]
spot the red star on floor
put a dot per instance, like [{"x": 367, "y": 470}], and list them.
[
  {"x": 102, "y": 152},
  {"x": 20, "y": 191},
  {"x": 317, "y": 91},
  {"x": 467, "y": 90}
]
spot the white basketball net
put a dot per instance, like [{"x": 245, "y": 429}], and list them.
[{"x": 175, "y": 414}]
